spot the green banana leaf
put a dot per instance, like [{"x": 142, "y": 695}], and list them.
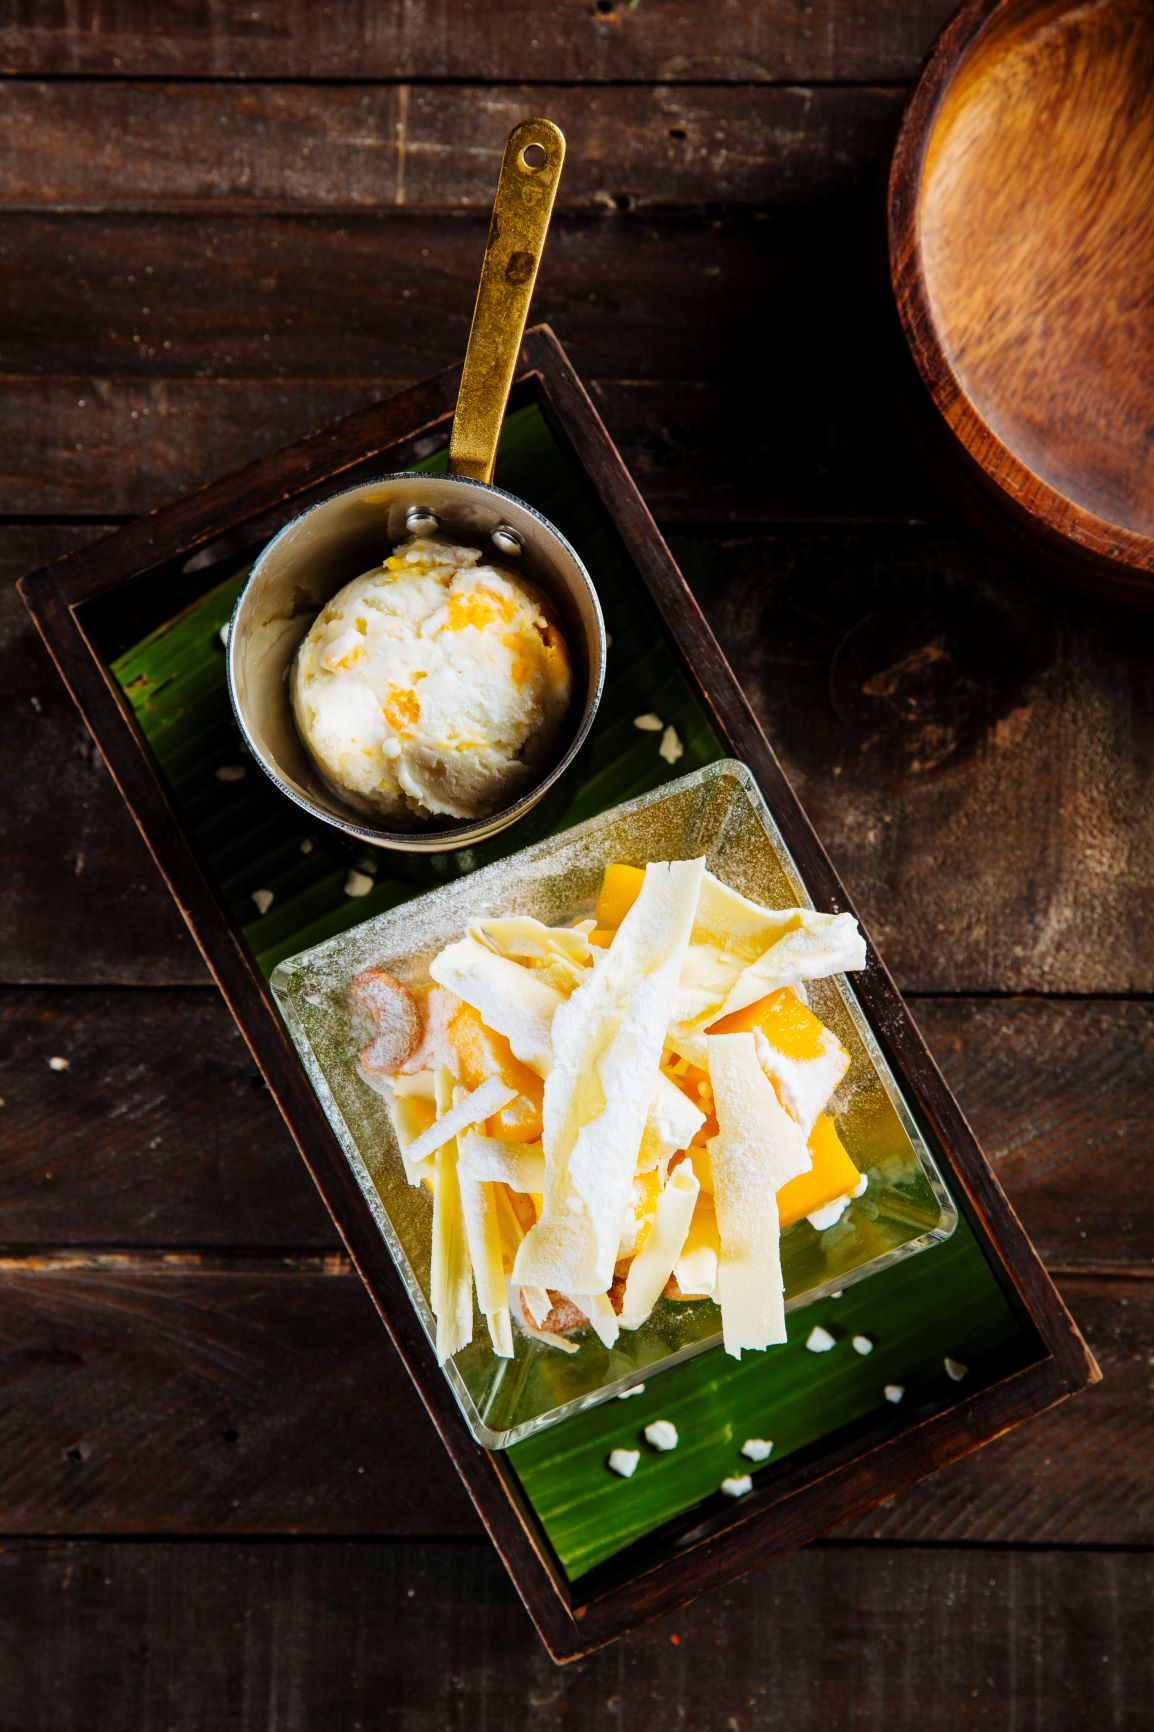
[{"x": 942, "y": 1304}]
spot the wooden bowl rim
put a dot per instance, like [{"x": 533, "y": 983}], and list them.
[{"x": 1023, "y": 487}]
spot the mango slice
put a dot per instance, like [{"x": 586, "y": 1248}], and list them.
[
  {"x": 482, "y": 1053},
  {"x": 788, "y": 1025},
  {"x": 833, "y": 1175},
  {"x": 620, "y": 889}
]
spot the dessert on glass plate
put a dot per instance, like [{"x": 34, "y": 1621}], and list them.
[{"x": 620, "y": 1112}]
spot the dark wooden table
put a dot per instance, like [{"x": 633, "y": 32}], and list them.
[{"x": 221, "y": 1507}]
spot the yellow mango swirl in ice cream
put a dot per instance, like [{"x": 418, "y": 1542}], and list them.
[{"x": 433, "y": 686}]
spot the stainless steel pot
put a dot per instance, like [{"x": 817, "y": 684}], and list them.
[{"x": 334, "y": 541}]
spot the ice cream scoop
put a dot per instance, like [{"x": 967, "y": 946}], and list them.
[{"x": 434, "y": 685}]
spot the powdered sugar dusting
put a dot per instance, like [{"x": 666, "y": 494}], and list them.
[{"x": 707, "y": 813}]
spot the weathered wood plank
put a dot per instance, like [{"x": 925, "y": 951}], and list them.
[
  {"x": 1061, "y": 1095},
  {"x": 130, "y": 146},
  {"x": 1019, "y": 1489},
  {"x": 977, "y": 756},
  {"x": 607, "y": 40},
  {"x": 81, "y": 897},
  {"x": 78, "y": 888},
  {"x": 249, "y": 294},
  {"x": 976, "y": 751},
  {"x": 169, "y": 347},
  {"x": 148, "y": 1398},
  {"x": 663, "y": 145},
  {"x": 192, "y": 375},
  {"x": 699, "y": 451},
  {"x": 107, "y": 1152},
  {"x": 190, "y": 1395},
  {"x": 160, "y": 1132},
  {"x": 242, "y": 1637}
]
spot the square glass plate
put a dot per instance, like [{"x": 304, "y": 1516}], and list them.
[{"x": 717, "y": 812}]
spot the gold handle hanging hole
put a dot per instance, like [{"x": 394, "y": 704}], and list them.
[{"x": 526, "y": 189}]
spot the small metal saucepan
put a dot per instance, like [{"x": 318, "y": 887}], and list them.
[{"x": 325, "y": 547}]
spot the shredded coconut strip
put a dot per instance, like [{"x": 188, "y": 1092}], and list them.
[
  {"x": 490, "y": 1097},
  {"x": 654, "y": 1263},
  {"x": 521, "y": 1166},
  {"x": 607, "y": 1042},
  {"x": 758, "y": 1149},
  {"x": 510, "y": 999}
]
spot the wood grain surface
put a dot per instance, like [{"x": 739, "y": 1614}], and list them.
[
  {"x": 1032, "y": 336},
  {"x": 157, "y": 295},
  {"x": 587, "y": 41},
  {"x": 349, "y": 147},
  {"x": 132, "y": 1167},
  {"x": 80, "y": 444},
  {"x": 212, "y": 1394},
  {"x": 777, "y": 190},
  {"x": 184, "y": 1350},
  {"x": 369, "y": 1633},
  {"x": 921, "y": 696}
]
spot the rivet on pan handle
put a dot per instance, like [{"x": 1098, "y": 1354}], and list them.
[{"x": 526, "y": 189}]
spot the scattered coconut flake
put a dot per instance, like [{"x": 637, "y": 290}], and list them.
[
  {"x": 358, "y": 883},
  {"x": 955, "y": 1370},
  {"x": 894, "y": 1392},
  {"x": 819, "y": 1340},
  {"x": 222, "y": 634},
  {"x": 59, "y": 1064},
  {"x": 862, "y": 1344},
  {"x": 662, "y": 1434},
  {"x": 263, "y": 900},
  {"x": 737, "y": 1485},
  {"x": 829, "y": 1215},
  {"x": 624, "y": 1462},
  {"x": 307, "y": 845},
  {"x": 671, "y": 748},
  {"x": 840, "y": 1294},
  {"x": 230, "y": 773},
  {"x": 756, "y": 1449},
  {"x": 624, "y": 1394},
  {"x": 547, "y": 1336},
  {"x": 648, "y": 723}
]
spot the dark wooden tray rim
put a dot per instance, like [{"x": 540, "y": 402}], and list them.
[{"x": 93, "y": 603}]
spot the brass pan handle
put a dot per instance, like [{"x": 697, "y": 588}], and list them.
[{"x": 526, "y": 190}]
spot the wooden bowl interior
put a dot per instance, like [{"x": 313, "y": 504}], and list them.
[{"x": 1035, "y": 227}]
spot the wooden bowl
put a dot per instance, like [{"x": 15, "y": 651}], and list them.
[{"x": 1021, "y": 257}]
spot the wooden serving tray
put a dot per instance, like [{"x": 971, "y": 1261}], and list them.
[{"x": 97, "y": 604}]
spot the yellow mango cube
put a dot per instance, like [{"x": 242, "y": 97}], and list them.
[
  {"x": 832, "y": 1175},
  {"x": 620, "y": 889}
]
